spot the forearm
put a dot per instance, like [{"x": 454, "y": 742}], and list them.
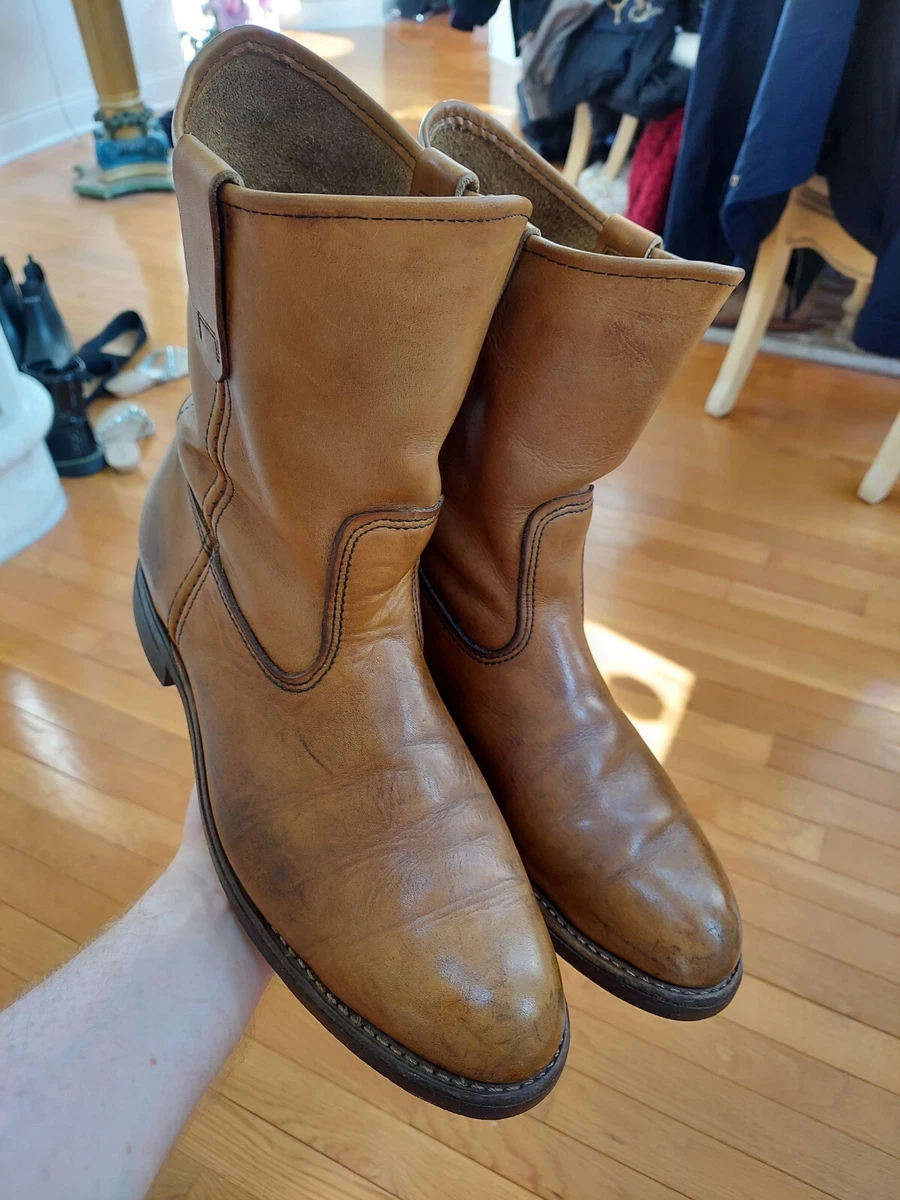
[{"x": 101, "y": 1065}]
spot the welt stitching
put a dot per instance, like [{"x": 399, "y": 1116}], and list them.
[
  {"x": 341, "y": 590},
  {"x": 396, "y": 1048},
  {"x": 481, "y": 654},
  {"x": 546, "y": 180},
  {"x": 620, "y": 965},
  {"x": 301, "y": 69},
  {"x": 619, "y": 275},
  {"x": 261, "y": 212}
]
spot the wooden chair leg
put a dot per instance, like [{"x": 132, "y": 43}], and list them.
[
  {"x": 580, "y": 145},
  {"x": 885, "y": 470},
  {"x": 852, "y": 306},
  {"x": 768, "y": 276},
  {"x": 618, "y": 151}
]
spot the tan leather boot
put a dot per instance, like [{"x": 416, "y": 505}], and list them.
[
  {"x": 590, "y": 331},
  {"x": 336, "y": 314}
]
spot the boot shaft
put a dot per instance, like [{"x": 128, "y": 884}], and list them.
[
  {"x": 584, "y": 343},
  {"x": 334, "y": 320}
]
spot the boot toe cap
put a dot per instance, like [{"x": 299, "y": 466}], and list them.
[
  {"x": 672, "y": 916},
  {"x": 477, "y": 994}
]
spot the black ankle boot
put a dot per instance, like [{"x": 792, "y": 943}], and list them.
[
  {"x": 71, "y": 440},
  {"x": 47, "y": 342},
  {"x": 12, "y": 320}
]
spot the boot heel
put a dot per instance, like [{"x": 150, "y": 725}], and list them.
[{"x": 151, "y": 631}]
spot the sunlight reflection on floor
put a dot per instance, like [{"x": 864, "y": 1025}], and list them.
[
  {"x": 653, "y": 690},
  {"x": 327, "y": 45}
]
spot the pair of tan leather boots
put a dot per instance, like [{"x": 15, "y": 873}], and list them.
[{"x": 367, "y": 325}]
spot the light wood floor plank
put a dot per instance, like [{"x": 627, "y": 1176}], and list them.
[
  {"x": 101, "y": 723},
  {"x": 100, "y": 765},
  {"x": 28, "y": 948},
  {"x": 798, "y": 1145},
  {"x": 802, "y": 798},
  {"x": 854, "y": 942},
  {"x": 115, "y": 820},
  {"x": 699, "y": 1165},
  {"x": 825, "y": 980},
  {"x": 56, "y": 900},
  {"x": 352, "y": 1132},
  {"x": 69, "y": 848},
  {"x": 874, "y": 783},
  {"x": 789, "y": 1077},
  {"x": 523, "y": 1150},
  {"x": 857, "y": 1049},
  {"x": 263, "y": 1160},
  {"x": 833, "y": 891}
]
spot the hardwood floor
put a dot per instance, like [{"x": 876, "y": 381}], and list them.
[{"x": 747, "y": 607}]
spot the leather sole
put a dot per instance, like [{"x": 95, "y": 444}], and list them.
[
  {"x": 630, "y": 983},
  {"x": 427, "y": 1080}
]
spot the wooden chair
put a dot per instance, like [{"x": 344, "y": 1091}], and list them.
[
  {"x": 580, "y": 145},
  {"x": 684, "y": 53},
  {"x": 807, "y": 222}
]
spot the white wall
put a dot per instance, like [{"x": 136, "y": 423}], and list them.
[{"x": 46, "y": 91}]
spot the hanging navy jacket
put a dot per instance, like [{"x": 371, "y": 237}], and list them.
[{"x": 784, "y": 89}]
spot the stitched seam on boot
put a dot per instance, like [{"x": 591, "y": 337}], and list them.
[
  {"x": 213, "y": 424},
  {"x": 525, "y": 600},
  {"x": 619, "y": 275},
  {"x": 261, "y": 212},
  {"x": 190, "y": 598},
  {"x": 228, "y": 488},
  {"x": 180, "y": 595},
  {"x": 416, "y": 607},
  {"x": 184, "y": 596},
  {"x": 175, "y": 614},
  {"x": 307, "y": 680},
  {"x": 214, "y": 441}
]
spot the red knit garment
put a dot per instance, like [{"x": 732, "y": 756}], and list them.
[{"x": 652, "y": 171}]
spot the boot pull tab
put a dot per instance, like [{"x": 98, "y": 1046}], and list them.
[
  {"x": 198, "y": 176},
  {"x": 436, "y": 174},
  {"x": 620, "y": 236}
]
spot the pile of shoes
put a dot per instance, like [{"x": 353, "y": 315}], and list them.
[
  {"x": 405, "y": 803},
  {"x": 42, "y": 347}
]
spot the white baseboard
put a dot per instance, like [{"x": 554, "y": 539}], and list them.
[
  {"x": 58, "y": 119},
  {"x": 328, "y": 15}
]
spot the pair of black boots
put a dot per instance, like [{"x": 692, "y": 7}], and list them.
[{"x": 42, "y": 347}]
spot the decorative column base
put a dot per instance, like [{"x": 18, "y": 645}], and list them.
[{"x": 137, "y": 163}]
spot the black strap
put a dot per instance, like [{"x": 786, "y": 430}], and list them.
[{"x": 102, "y": 364}]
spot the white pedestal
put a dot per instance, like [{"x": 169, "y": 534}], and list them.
[{"x": 31, "y": 496}]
